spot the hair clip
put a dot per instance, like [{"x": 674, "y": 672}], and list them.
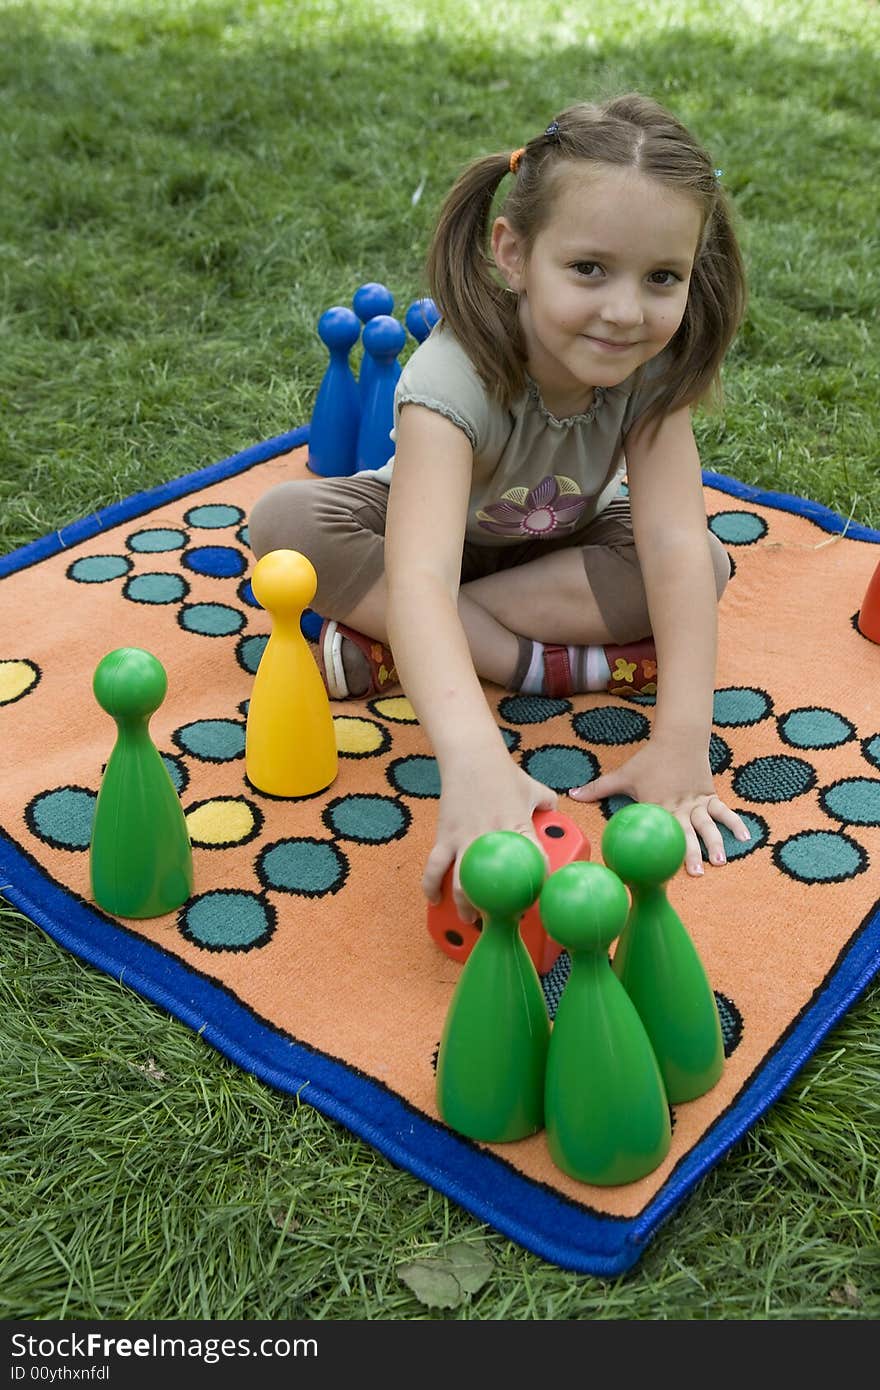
[
  {"x": 553, "y": 130},
  {"x": 515, "y": 159},
  {"x": 718, "y": 173}
]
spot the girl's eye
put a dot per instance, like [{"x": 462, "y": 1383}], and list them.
[
  {"x": 664, "y": 277},
  {"x": 589, "y": 269}
]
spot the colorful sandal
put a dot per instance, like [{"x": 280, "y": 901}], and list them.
[
  {"x": 383, "y": 672},
  {"x": 633, "y": 668}
]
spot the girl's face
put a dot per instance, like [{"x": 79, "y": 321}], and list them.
[{"x": 605, "y": 285}]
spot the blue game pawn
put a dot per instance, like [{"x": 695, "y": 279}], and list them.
[
  {"x": 369, "y": 301},
  {"x": 384, "y": 338},
  {"x": 333, "y": 432},
  {"x": 421, "y": 316}
]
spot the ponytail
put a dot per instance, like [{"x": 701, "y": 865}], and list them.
[{"x": 477, "y": 309}]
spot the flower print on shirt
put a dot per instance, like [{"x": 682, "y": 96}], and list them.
[{"x": 552, "y": 508}]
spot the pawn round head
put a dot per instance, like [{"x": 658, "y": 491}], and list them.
[
  {"x": 130, "y": 683},
  {"x": 284, "y": 581},
  {"x": 583, "y": 906},
  {"x": 643, "y": 844},
  {"x": 421, "y": 317},
  {"x": 372, "y": 299},
  {"x": 339, "y": 327},
  {"x": 384, "y": 336},
  {"x": 502, "y": 872}
]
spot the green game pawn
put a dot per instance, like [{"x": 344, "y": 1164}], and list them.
[
  {"x": 606, "y": 1110},
  {"x": 490, "y": 1066},
  {"x": 656, "y": 959},
  {"x": 140, "y": 855}
]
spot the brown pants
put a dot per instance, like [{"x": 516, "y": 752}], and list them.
[{"x": 339, "y": 523}]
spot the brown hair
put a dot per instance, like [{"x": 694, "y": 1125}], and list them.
[{"x": 632, "y": 131}]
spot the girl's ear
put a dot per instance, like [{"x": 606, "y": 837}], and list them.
[{"x": 508, "y": 253}]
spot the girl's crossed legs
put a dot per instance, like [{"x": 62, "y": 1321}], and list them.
[{"x": 579, "y": 591}]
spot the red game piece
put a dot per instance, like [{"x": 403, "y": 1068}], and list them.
[{"x": 564, "y": 842}]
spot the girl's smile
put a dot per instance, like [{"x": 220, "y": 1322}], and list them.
[{"x": 607, "y": 344}]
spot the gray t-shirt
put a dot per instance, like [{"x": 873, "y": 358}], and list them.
[{"x": 535, "y": 477}]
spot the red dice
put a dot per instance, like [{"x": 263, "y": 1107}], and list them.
[{"x": 564, "y": 843}]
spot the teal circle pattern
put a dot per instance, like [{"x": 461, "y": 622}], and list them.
[
  {"x": 156, "y": 539},
  {"x": 304, "y": 866},
  {"x": 738, "y": 528},
  {"x": 554, "y": 982},
  {"x": 250, "y": 650},
  {"x": 560, "y": 766},
  {"x": 63, "y": 817},
  {"x": 775, "y": 778},
  {"x": 370, "y": 820},
  {"x": 814, "y": 728},
  {"x": 415, "y": 776},
  {"x": 736, "y": 707},
  {"x": 213, "y": 516},
  {"x": 512, "y": 739},
  {"x": 611, "y": 725},
  {"x": 211, "y": 740},
  {"x": 156, "y": 588},
  {"x": 720, "y": 755},
  {"x": 853, "y": 800},
  {"x": 177, "y": 772},
  {"x": 820, "y": 856},
  {"x": 731, "y": 1022},
  {"x": 227, "y": 920},
  {"x": 211, "y": 619},
  {"x": 871, "y": 749},
  {"x": 98, "y": 569},
  {"x": 531, "y": 709}
]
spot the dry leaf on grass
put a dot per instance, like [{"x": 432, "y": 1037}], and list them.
[{"x": 447, "y": 1280}]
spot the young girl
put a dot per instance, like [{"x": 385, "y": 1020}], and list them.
[{"x": 579, "y": 326}]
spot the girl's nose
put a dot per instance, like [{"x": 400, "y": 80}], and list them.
[{"x": 622, "y": 305}]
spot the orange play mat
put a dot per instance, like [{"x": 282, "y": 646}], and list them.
[{"x": 303, "y": 953}]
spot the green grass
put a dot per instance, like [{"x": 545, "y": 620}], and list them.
[{"x": 184, "y": 187}]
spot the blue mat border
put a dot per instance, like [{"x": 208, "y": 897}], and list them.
[{"x": 563, "y": 1232}]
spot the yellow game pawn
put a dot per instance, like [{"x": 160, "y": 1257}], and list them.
[{"x": 290, "y": 740}]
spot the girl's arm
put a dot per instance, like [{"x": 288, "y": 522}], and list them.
[
  {"x": 481, "y": 787},
  {"x": 669, "y": 526}
]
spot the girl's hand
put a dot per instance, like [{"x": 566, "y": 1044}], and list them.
[
  {"x": 498, "y": 795},
  {"x": 682, "y": 784}
]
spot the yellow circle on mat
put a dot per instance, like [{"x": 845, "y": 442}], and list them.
[
  {"x": 396, "y": 707},
  {"x": 224, "y": 821},
  {"x": 358, "y": 735},
  {"x": 16, "y": 677}
]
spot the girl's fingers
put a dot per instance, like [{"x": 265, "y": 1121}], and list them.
[
  {"x": 708, "y": 831},
  {"x": 707, "y": 817},
  {"x": 437, "y": 863},
  {"x": 607, "y": 785},
  {"x": 464, "y": 908},
  {"x": 729, "y": 819},
  {"x": 693, "y": 854}
]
